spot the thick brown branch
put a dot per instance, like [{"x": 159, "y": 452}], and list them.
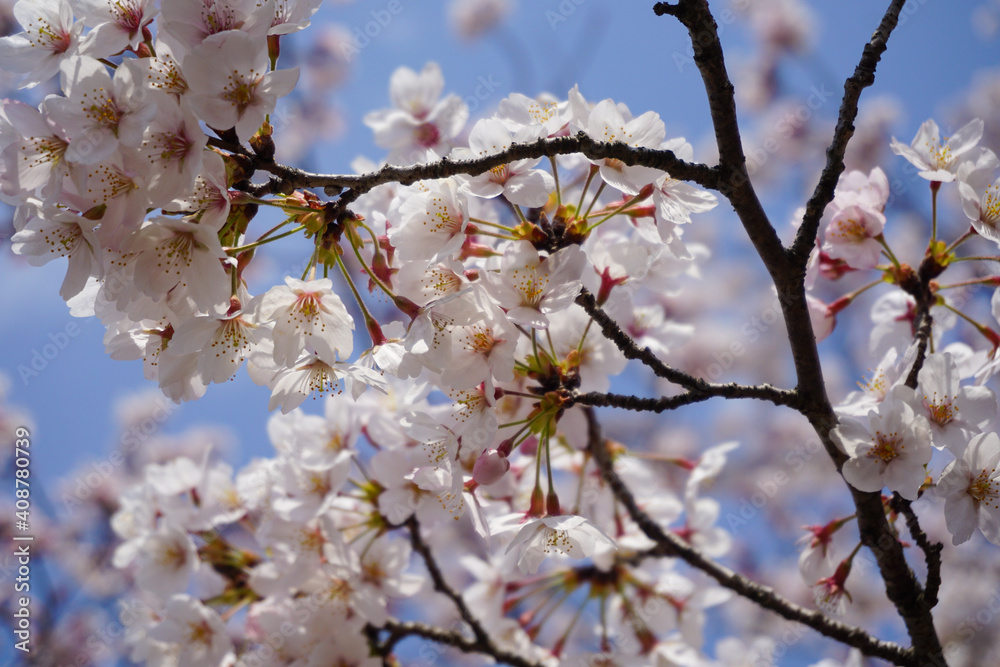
[
  {"x": 764, "y": 596},
  {"x": 787, "y": 271},
  {"x": 734, "y": 179},
  {"x": 864, "y": 76}
]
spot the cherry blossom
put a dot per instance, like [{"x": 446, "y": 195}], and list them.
[
  {"x": 116, "y": 25},
  {"x": 35, "y": 157},
  {"x": 99, "y": 113},
  {"x": 288, "y": 16},
  {"x": 517, "y": 180},
  {"x": 970, "y": 486},
  {"x": 891, "y": 450},
  {"x": 531, "y": 287},
  {"x": 249, "y": 93},
  {"x": 610, "y": 122},
  {"x": 954, "y": 413},
  {"x": 192, "y": 21},
  {"x": 50, "y": 37},
  {"x": 180, "y": 253},
  {"x": 852, "y": 235},
  {"x": 981, "y": 202},
  {"x": 482, "y": 412},
  {"x": 193, "y": 633},
  {"x": 51, "y": 232},
  {"x": 432, "y": 224},
  {"x": 307, "y": 315},
  {"x": 420, "y": 125},
  {"x": 571, "y": 535},
  {"x": 935, "y": 156}
]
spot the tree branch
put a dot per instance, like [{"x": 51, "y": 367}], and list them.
[
  {"x": 290, "y": 178},
  {"x": 734, "y": 180},
  {"x": 761, "y": 392},
  {"x": 932, "y": 550},
  {"x": 864, "y": 76},
  {"x": 698, "y": 389},
  {"x": 483, "y": 643},
  {"x": 787, "y": 270},
  {"x": 764, "y": 596},
  {"x": 400, "y": 630}
]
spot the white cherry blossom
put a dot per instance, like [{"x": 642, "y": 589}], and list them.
[
  {"x": 166, "y": 561},
  {"x": 307, "y": 315},
  {"x": 955, "y": 413},
  {"x": 517, "y": 181},
  {"x": 530, "y": 287},
  {"x": 99, "y": 113},
  {"x": 230, "y": 82},
  {"x": 432, "y": 224},
  {"x": 34, "y": 159},
  {"x": 566, "y": 534},
  {"x": 180, "y": 253},
  {"x": 610, "y": 122},
  {"x": 935, "y": 156},
  {"x": 50, "y": 37},
  {"x": 970, "y": 486},
  {"x": 194, "y": 634},
  {"x": 891, "y": 450}
]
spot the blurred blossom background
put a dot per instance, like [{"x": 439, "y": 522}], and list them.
[{"x": 95, "y": 422}]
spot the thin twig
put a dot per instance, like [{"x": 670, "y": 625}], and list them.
[
  {"x": 289, "y": 178},
  {"x": 932, "y": 550},
  {"x": 399, "y": 630},
  {"x": 483, "y": 643},
  {"x": 764, "y": 596},
  {"x": 864, "y": 76}
]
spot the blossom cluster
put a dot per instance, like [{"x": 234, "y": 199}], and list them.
[
  {"x": 317, "y": 538},
  {"x": 908, "y": 409}
]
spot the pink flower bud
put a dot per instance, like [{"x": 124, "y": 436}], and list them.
[{"x": 490, "y": 467}]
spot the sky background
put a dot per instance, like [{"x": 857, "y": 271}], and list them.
[{"x": 618, "y": 50}]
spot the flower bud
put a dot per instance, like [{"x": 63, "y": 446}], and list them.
[{"x": 490, "y": 467}]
